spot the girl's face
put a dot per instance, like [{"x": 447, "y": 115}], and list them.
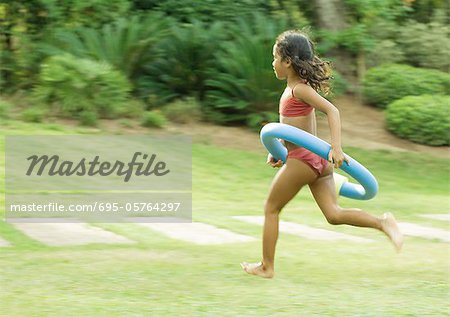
[{"x": 280, "y": 67}]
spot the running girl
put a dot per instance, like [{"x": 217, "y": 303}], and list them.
[{"x": 306, "y": 74}]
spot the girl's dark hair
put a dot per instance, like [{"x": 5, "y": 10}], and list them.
[{"x": 299, "y": 49}]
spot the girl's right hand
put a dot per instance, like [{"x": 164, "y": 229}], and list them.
[{"x": 272, "y": 162}]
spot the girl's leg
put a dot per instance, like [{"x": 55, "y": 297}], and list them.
[
  {"x": 324, "y": 192},
  {"x": 286, "y": 184}
]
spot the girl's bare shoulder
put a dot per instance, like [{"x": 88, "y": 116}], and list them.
[{"x": 303, "y": 90}]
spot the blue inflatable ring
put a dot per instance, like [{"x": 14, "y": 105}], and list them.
[{"x": 270, "y": 133}]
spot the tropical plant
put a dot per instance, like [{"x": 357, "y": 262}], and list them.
[
  {"x": 125, "y": 44},
  {"x": 183, "y": 61},
  {"x": 243, "y": 81}
]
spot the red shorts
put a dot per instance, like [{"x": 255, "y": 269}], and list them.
[{"x": 317, "y": 163}]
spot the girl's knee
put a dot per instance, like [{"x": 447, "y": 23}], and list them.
[
  {"x": 272, "y": 207},
  {"x": 334, "y": 215}
]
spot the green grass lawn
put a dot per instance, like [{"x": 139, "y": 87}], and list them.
[{"x": 158, "y": 276}]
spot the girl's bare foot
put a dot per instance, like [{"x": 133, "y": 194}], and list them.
[
  {"x": 390, "y": 228},
  {"x": 257, "y": 269}
]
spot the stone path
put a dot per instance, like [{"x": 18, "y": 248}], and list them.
[
  {"x": 305, "y": 231},
  {"x": 444, "y": 217},
  {"x": 411, "y": 229},
  {"x": 78, "y": 233},
  {"x": 198, "y": 233},
  {"x": 59, "y": 234},
  {"x": 4, "y": 243}
]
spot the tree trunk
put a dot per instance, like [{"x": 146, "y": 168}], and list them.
[{"x": 331, "y": 15}]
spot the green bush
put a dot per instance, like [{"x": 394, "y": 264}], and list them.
[
  {"x": 71, "y": 85},
  {"x": 5, "y": 108},
  {"x": 134, "y": 108},
  {"x": 183, "y": 111},
  {"x": 153, "y": 119},
  {"x": 19, "y": 67},
  {"x": 390, "y": 82},
  {"x": 423, "y": 119},
  {"x": 256, "y": 121},
  {"x": 426, "y": 45},
  {"x": 339, "y": 85},
  {"x": 126, "y": 123},
  {"x": 33, "y": 114},
  {"x": 385, "y": 51},
  {"x": 92, "y": 13},
  {"x": 206, "y": 11},
  {"x": 88, "y": 118},
  {"x": 25, "y": 25}
]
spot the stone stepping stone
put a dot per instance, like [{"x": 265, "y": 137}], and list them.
[
  {"x": 197, "y": 232},
  {"x": 444, "y": 217},
  {"x": 4, "y": 243},
  {"x": 411, "y": 229},
  {"x": 62, "y": 234},
  {"x": 305, "y": 231}
]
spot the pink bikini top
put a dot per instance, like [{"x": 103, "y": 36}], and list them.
[{"x": 291, "y": 107}]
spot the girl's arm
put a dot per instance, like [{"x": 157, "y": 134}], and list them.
[{"x": 310, "y": 96}]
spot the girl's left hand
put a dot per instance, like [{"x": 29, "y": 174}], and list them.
[{"x": 337, "y": 157}]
